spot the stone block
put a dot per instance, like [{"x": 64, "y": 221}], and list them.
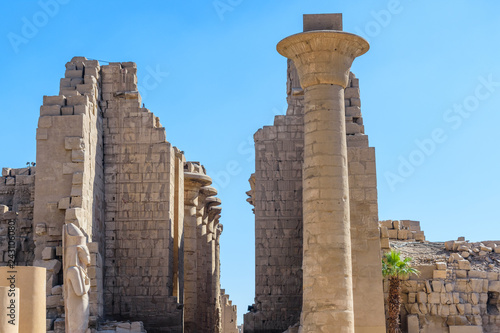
[
  {"x": 419, "y": 235},
  {"x": 6, "y": 172},
  {"x": 353, "y": 111},
  {"x": 73, "y": 73},
  {"x": 384, "y": 243},
  {"x": 402, "y": 234},
  {"x": 40, "y": 229},
  {"x": 439, "y": 274},
  {"x": 70, "y": 168},
  {"x": 57, "y": 290},
  {"x": 422, "y": 297},
  {"x": 49, "y": 253},
  {"x": 464, "y": 264},
  {"x": 455, "y": 257},
  {"x": 352, "y": 128},
  {"x": 42, "y": 134},
  {"x": 59, "y": 325},
  {"x": 74, "y": 143},
  {"x": 478, "y": 274},
  {"x": 93, "y": 247},
  {"x": 67, "y": 111},
  {"x": 393, "y": 234},
  {"x": 437, "y": 286},
  {"x": 54, "y": 100},
  {"x": 11, "y": 181},
  {"x": 322, "y": 22},
  {"x": 77, "y": 155},
  {"x": 413, "y": 325},
  {"x": 136, "y": 327},
  {"x": 77, "y": 100},
  {"x": 441, "y": 265},
  {"x": 74, "y": 215},
  {"x": 494, "y": 286},
  {"x": 351, "y": 92},
  {"x": 54, "y": 301},
  {"x": 458, "y": 244},
  {"x": 80, "y": 109},
  {"x": 50, "y": 110},
  {"x": 486, "y": 248},
  {"x": 434, "y": 298},
  {"x": 357, "y": 141},
  {"x": 449, "y": 245},
  {"x": 355, "y": 102},
  {"x": 64, "y": 203},
  {"x": 53, "y": 265},
  {"x": 77, "y": 178}
]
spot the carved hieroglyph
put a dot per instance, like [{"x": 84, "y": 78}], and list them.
[{"x": 76, "y": 258}]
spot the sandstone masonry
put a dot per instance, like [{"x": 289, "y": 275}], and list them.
[{"x": 150, "y": 218}]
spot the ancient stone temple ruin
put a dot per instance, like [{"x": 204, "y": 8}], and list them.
[
  {"x": 113, "y": 231},
  {"x": 318, "y": 239},
  {"x": 126, "y": 230}
]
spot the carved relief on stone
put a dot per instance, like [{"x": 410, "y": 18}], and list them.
[{"x": 76, "y": 258}]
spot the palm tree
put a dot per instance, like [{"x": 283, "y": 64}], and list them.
[{"x": 395, "y": 269}]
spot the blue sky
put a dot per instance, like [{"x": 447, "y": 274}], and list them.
[{"x": 430, "y": 89}]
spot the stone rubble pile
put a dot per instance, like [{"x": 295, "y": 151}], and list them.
[
  {"x": 400, "y": 230},
  {"x": 464, "y": 252}
]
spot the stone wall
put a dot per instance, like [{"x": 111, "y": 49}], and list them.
[
  {"x": 104, "y": 165},
  {"x": 69, "y": 186},
  {"x": 17, "y": 193},
  {"x": 277, "y": 198},
  {"x": 140, "y": 195},
  {"x": 453, "y": 292},
  {"x": 229, "y": 321}
]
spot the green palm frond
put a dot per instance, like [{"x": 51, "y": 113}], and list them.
[{"x": 392, "y": 265}]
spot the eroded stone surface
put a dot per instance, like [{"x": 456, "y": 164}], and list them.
[{"x": 105, "y": 168}]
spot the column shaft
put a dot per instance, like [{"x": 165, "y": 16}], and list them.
[
  {"x": 327, "y": 295},
  {"x": 190, "y": 269}
]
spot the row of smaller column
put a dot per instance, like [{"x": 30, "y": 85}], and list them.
[{"x": 201, "y": 252}]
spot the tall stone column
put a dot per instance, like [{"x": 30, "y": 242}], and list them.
[
  {"x": 193, "y": 181},
  {"x": 203, "y": 257},
  {"x": 323, "y": 59},
  {"x": 212, "y": 213},
  {"x": 218, "y": 227},
  {"x": 213, "y": 218}
]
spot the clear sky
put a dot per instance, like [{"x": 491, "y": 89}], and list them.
[{"x": 430, "y": 90}]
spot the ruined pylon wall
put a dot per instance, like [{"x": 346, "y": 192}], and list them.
[
  {"x": 104, "y": 165},
  {"x": 69, "y": 186},
  {"x": 277, "y": 197},
  {"x": 140, "y": 169},
  {"x": 229, "y": 320},
  {"x": 17, "y": 194}
]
